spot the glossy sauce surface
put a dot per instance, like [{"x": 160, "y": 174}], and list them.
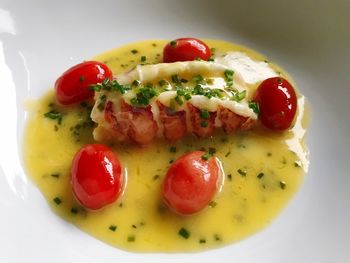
[{"x": 262, "y": 170}]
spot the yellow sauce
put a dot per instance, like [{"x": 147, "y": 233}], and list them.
[{"x": 139, "y": 221}]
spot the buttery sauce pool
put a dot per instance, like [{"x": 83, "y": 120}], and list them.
[{"x": 262, "y": 171}]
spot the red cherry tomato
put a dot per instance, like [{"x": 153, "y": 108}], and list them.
[
  {"x": 277, "y": 102},
  {"x": 190, "y": 183},
  {"x": 185, "y": 49},
  {"x": 73, "y": 85},
  {"x": 96, "y": 176}
]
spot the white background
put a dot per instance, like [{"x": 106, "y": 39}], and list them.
[{"x": 310, "y": 39}]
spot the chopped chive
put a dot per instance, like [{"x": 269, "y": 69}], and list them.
[
  {"x": 136, "y": 83},
  {"x": 143, "y": 58},
  {"x": 134, "y": 226},
  {"x": 156, "y": 177},
  {"x": 134, "y": 51},
  {"x": 229, "y": 176},
  {"x": 212, "y": 150},
  {"x": 206, "y": 156},
  {"x": 173, "y": 43},
  {"x": 183, "y": 80},
  {"x": 187, "y": 96},
  {"x": 228, "y": 153},
  {"x": 55, "y": 175},
  {"x": 131, "y": 238},
  {"x": 175, "y": 79},
  {"x": 74, "y": 210},
  {"x": 171, "y": 161},
  {"x": 162, "y": 82},
  {"x": 212, "y": 204},
  {"x": 112, "y": 228},
  {"x": 217, "y": 237},
  {"x": 54, "y": 115},
  {"x": 172, "y": 149},
  {"x": 202, "y": 241},
  {"x": 184, "y": 233},
  {"x": 198, "y": 79},
  {"x": 154, "y": 44},
  {"x": 205, "y": 114},
  {"x": 279, "y": 80},
  {"x": 260, "y": 175},
  {"x": 242, "y": 172},
  {"x": 283, "y": 185},
  {"x": 269, "y": 154},
  {"x": 81, "y": 78},
  {"x": 179, "y": 100},
  {"x": 254, "y": 106},
  {"x": 204, "y": 124},
  {"x": 57, "y": 200},
  {"x": 239, "y": 96}
]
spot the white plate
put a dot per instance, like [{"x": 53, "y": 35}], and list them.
[{"x": 310, "y": 39}]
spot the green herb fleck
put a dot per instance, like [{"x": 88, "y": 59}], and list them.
[
  {"x": 184, "y": 233},
  {"x": 204, "y": 124},
  {"x": 54, "y": 115},
  {"x": 154, "y": 44},
  {"x": 229, "y": 176},
  {"x": 172, "y": 149},
  {"x": 134, "y": 51},
  {"x": 74, "y": 210},
  {"x": 57, "y": 200},
  {"x": 212, "y": 150},
  {"x": 229, "y": 77},
  {"x": 131, "y": 238},
  {"x": 254, "y": 106},
  {"x": 156, "y": 177},
  {"x": 202, "y": 241},
  {"x": 228, "y": 153},
  {"x": 112, "y": 228},
  {"x": 175, "y": 79},
  {"x": 206, "y": 156},
  {"x": 212, "y": 204},
  {"x": 81, "y": 78},
  {"x": 260, "y": 175},
  {"x": 198, "y": 79},
  {"x": 283, "y": 185},
  {"x": 238, "y": 96},
  {"x": 217, "y": 237},
  {"x": 205, "y": 114},
  {"x": 242, "y": 172},
  {"x": 55, "y": 175},
  {"x": 173, "y": 43},
  {"x": 143, "y": 58}
]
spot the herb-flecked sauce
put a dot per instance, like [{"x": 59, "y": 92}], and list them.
[{"x": 262, "y": 171}]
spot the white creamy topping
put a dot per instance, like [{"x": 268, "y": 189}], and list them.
[
  {"x": 251, "y": 71},
  {"x": 212, "y": 70}
]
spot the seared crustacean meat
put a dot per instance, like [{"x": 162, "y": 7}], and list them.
[{"x": 171, "y": 100}]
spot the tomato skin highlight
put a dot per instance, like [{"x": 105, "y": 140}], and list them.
[
  {"x": 191, "y": 183},
  {"x": 73, "y": 85},
  {"x": 96, "y": 176},
  {"x": 185, "y": 49},
  {"x": 277, "y": 103}
]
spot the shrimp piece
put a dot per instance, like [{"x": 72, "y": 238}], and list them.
[
  {"x": 174, "y": 122},
  {"x": 201, "y": 127}
]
